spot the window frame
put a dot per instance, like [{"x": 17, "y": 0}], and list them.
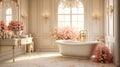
[
  {"x": 8, "y": 15},
  {"x": 71, "y": 15}
]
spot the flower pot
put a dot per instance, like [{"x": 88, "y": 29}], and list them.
[{"x": 17, "y": 33}]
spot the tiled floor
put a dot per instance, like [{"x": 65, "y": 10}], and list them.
[{"x": 50, "y": 59}]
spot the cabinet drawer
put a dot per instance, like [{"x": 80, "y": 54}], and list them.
[{"x": 26, "y": 41}]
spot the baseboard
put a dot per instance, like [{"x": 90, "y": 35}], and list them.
[{"x": 47, "y": 50}]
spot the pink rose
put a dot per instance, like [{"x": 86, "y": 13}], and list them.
[{"x": 16, "y": 25}]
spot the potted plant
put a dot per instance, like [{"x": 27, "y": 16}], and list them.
[{"x": 16, "y": 26}]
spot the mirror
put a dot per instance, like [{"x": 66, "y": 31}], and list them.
[{"x": 9, "y": 10}]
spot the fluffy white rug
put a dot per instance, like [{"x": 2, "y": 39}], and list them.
[{"x": 50, "y": 59}]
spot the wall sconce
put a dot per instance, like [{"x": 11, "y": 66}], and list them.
[
  {"x": 96, "y": 16},
  {"x": 23, "y": 15},
  {"x": 111, "y": 9},
  {"x": 46, "y": 15}
]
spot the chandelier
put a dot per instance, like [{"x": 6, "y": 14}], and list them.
[{"x": 70, "y": 3}]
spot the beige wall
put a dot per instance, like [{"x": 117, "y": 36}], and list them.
[
  {"x": 24, "y": 14},
  {"x": 111, "y": 28},
  {"x": 117, "y": 32},
  {"x": 41, "y": 28}
]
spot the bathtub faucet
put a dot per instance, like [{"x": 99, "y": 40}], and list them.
[{"x": 83, "y": 35}]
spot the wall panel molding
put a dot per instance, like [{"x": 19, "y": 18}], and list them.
[{"x": 42, "y": 28}]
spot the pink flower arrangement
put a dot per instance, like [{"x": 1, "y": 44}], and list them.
[
  {"x": 16, "y": 26},
  {"x": 102, "y": 54},
  {"x": 65, "y": 33},
  {"x": 3, "y": 26}
]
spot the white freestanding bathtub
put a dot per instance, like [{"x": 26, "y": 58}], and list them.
[{"x": 76, "y": 48}]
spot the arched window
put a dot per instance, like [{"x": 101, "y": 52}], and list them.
[
  {"x": 72, "y": 16},
  {"x": 8, "y": 15}
]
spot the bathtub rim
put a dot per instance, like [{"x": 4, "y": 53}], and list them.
[{"x": 71, "y": 42}]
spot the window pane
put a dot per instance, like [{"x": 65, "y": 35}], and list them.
[
  {"x": 8, "y": 18},
  {"x": 81, "y": 24},
  {"x": 74, "y": 11},
  {"x": 74, "y": 17},
  {"x": 67, "y": 18},
  {"x": 60, "y": 11},
  {"x": 78, "y": 25},
  {"x": 9, "y": 11},
  {"x": 8, "y": 15},
  {"x": 67, "y": 23},
  {"x": 74, "y": 24},
  {"x": 60, "y": 24},
  {"x": 60, "y": 17},
  {"x": 67, "y": 10},
  {"x": 80, "y": 10},
  {"x": 63, "y": 24},
  {"x": 80, "y": 17}
]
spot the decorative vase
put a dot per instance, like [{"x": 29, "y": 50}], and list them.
[
  {"x": 10, "y": 34},
  {"x": 17, "y": 34}
]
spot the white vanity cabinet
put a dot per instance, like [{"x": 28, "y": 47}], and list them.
[{"x": 16, "y": 42}]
